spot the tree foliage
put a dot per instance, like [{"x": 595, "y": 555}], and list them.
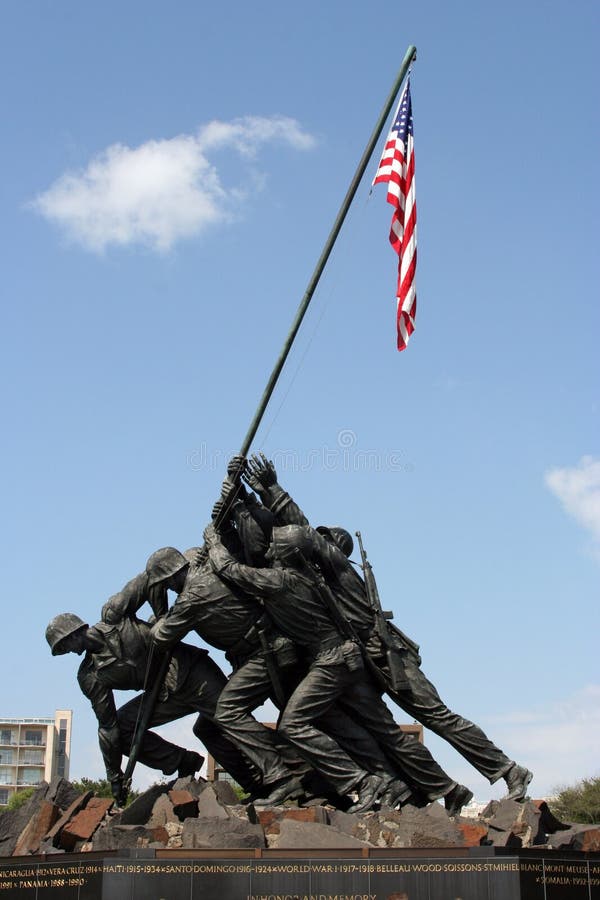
[
  {"x": 240, "y": 793},
  {"x": 100, "y": 788},
  {"x": 19, "y": 798},
  {"x": 578, "y": 803}
]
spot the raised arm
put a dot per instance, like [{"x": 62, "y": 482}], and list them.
[
  {"x": 261, "y": 476},
  {"x": 179, "y": 621},
  {"x": 132, "y": 597}
]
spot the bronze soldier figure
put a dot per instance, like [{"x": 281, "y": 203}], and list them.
[
  {"x": 235, "y": 622},
  {"x": 335, "y": 673},
  {"x": 251, "y": 681},
  {"x": 119, "y": 656},
  {"x": 228, "y": 621},
  {"x": 331, "y": 547}
]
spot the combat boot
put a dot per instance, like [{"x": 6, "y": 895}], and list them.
[
  {"x": 280, "y": 791},
  {"x": 517, "y": 779},
  {"x": 395, "y": 794},
  {"x": 455, "y": 799},
  {"x": 368, "y": 792},
  {"x": 189, "y": 764}
]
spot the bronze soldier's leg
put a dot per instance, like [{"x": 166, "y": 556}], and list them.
[
  {"x": 363, "y": 701},
  {"x": 228, "y": 755},
  {"x": 248, "y": 687},
  {"x": 362, "y": 747},
  {"x": 311, "y": 700},
  {"x": 423, "y": 703},
  {"x": 199, "y": 692},
  {"x": 155, "y": 752}
]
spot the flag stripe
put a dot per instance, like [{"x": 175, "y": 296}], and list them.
[{"x": 397, "y": 170}]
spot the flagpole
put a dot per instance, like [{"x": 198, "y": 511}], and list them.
[{"x": 328, "y": 247}]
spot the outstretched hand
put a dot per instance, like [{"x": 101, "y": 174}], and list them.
[
  {"x": 260, "y": 472},
  {"x": 210, "y": 536},
  {"x": 229, "y": 490},
  {"x": 201, "y": 555},
  {"x": 236, "y": 467},
  {"x": 221, "y": 511},
  {"x": 217, "y": 510}
]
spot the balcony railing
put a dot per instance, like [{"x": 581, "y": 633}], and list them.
[{"x": 22, "y": 744}]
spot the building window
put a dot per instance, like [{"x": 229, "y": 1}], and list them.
[
  {"x": 6, "y": 757},
  {"x": 33, "y": 737},
  {"x": 30, "y": 776},
  {"x": 3, "y": 796},
  {"x": 5, "y": 736},
  {"x": 62, "y": 748},
  {"x": 33, "y": 757}
]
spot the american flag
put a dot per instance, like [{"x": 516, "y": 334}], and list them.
[{"x": 397, "y": 169}]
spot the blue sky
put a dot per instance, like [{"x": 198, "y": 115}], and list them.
[{"x": 171, "y": 172}]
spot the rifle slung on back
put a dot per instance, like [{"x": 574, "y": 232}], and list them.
[{"x": 394, "y": 655}]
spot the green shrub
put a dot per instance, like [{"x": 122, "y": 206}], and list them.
[
  {"x": 100, "y": 788},
  {"x": 579, "y": 802},
  {"x": 20, "y": 798}
]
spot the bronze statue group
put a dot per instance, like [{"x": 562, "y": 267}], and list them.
[{"x": 299, "y": 625}]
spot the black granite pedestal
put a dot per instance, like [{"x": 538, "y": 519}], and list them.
[{"x": 437, "y": 874}]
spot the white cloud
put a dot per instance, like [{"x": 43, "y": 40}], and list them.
[
  {"x": 161, "y": 191},
  {"x": 578, "y": 489},
  {"x": 249, "y": 133}
]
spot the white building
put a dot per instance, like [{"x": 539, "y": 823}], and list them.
[{"x": 32, "y": 751}]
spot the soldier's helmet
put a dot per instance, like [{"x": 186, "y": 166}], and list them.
[
  {"x": 340, "y": 537},
  {"x": 61, "y": 627},
  {"x": 163, "y": 564},
  {"x": 287, "y": 538}
]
